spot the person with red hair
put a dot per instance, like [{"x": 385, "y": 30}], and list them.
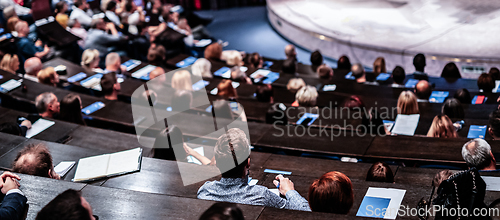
[{"x": 331, "y": 193}]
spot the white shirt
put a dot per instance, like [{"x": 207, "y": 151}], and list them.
[
  {"x": 83, "y": 17},
  {"x": 20, "y": 10},
  {"x": 14, "y": 191},
  {"x": 113, "y": 17},
  {"x": 80, "y": 32}
]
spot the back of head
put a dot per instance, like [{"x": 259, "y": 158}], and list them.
[
  {"x": 43, "y": 100},
  {"x": 182, "y": 80},
  {"x": 156, "y": 54},
  {"x": 233, "y": 57},
  {"x": 46, "y": 76},
  {"x": 112, "y": 59},
  {"x": 380, "y": 172},
  {"x": 222, "y": 211},
  {"x": 237, "y": 75},
  {"x": 486, "y": 83},
  {"x": 169, "y": 145},
  {"x": 110, "y": 5},
  {"x": 108, "y": 82},
  {"x": 181, "y": 101},
  {"x": 463, "y": 96},
  {"x": 226, "y": 89},
  {"x": 232, "y": 151},
  {"x": 276, "y": 114},
  {"x": 453, "y": 109},
  {"x": 66, "y": 206},
  {"x": 353, "y": 102},
  {"x": 32, "y": 66},
  {"x": 423, "y": 90},
  {"x": 440, "y": 177},
  {"x": 89, "y": 56},
  {"x": 419, "y": 62},
  {"x": 221, "y": 109},
  {"x": 158, "y": 71},
  {"x": 357, "y": 70},
  {"x": 379, "y": 66},
  {"x": 343, "y": 63},
  {"x": 324, "y": 71},
  {"x": 316, "y": 58},
  {"x": 34, "y": 159},
  {"x": 494, "y": 123},
  {"x": 60, "y": 6},
  {"x": 407, "y": 103},
  {"x": 442, "y": 127},
  {"x": 202, "y": 68},
  {"x": 264, "y": 93},
  {"x": 254, "y": 60},
  {"x": 494, "y": 73},
  {"x": 306, "y": 96},
  {"x": 290, "y": 51},
  {"x": 331, "y": 193},
  {"x": 71, "y": 109},
  {"x": 294, "y": 84},
  {"x": 289, "y": 66},
  {"x": 13, "y": 24},
  {"x": 451, "y": 71},
  {"x": 10, "y": 128},
  {"x": 398, "y": 75},
  {"x": 213, "y": 51},
  {"x": 477, "y": 153}
]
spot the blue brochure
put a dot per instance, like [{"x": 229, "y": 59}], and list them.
[
  {"x": 308, "y": 116},
  {"x": 411, "y": 83},
  {"x": 200, "y": 85},
  {"x": 383, "y": 76},
  {"x": 224, "y": 72},
  {"x": 477, "y": 131},
  {"x": 90, "y": 78},
  {"x": 267, "y": 64},
  {"x": 271, "y": 77},
  {"x": 92, "y": 108},
  {"x": 438, "y": 96},
  {"x": 373, "y": 207},
  {"x": 130, "y": 64},
  {"x": 349, "y": 76},
  {"x": 278, "y": 172},
  {"x": 77, "y": 77},
  {"x": 186, "y": 62}
]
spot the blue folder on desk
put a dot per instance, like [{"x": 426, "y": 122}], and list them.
[
  {"x": 271, "y": 77},
  {"x": 223, "y": 72},
  {"x": 186, "y": 62},
  {"x": 438, "y": 96},
  {"x": 411, "y": 83},
  {"x": 77, "y": 77},
  {"x": 92, "y": 108},
  {"x": 200, "y": 85},
  {"x": 383, "y": 76},
  {"x": 309, "y": 117},
  {"x": 477, "y": 131},
  {"x": 369, "y": 204},
  {"x": 349, "y": 76}
]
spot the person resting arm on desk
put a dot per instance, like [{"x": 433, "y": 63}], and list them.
[
  {"x": 26, "y": 46},
  {"x": 14, "y": 202}
]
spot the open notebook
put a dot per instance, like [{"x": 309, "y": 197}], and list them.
[{"x": 108, "y": 165}]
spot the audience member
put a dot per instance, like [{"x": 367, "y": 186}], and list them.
[
  {"x": 156, "y": 55},
  {"x": 477, "y": 153},
  {"x": 18, "y": 9},
  {"x": 47, "y": 105},
  {"x": 463, "y": 96},
  {"x": 71, "y": 109},
  {"x": 233, "y": 148},
  {"x": 48, "y": 76},
  {"x": 407, "y": 103},
  {"x": 442, "y": 127},
  {"x": 485, "y": 83},
  {"x": 202, "y": 68},
  {"x": 11, "y": 23},
  {"x": 159, "y": 73},
  {"x": 494, "y": 125},
  {"x": 222, "y": 109},
  {"x": 32, "y": 66},
  {"x": 225, "y": 89},
  {"x": 13, "y": 202},
  {"x": 181, "y": 101},
  {"x": 213, "y": 52},
  {"x": 358, "y": 72},
  {"x": 26, "y": 46},
  {"x": 289, "y": 67},
  {"x": 239, "y": 76},
  {"x": 99, "y": 38},
  {"x": 110, "y": 86},
  {"x": 373, "y": 122},
  {"x": 82, "y": 13},
  {"x": 110, "y": 13},
  {"x": 354, "y": 103},
  {"x": 290, "y": 52},
  {"x": 77, "y": 29},
  {"x": 255, "y": 61},
  {"x": 316, "y": 60},
  {"x": 169, "y": 145},
  {"x": 35, "y": 159},
  {"x": 294, "y": 84},
  {"x": 398, "y": 77},
  {"x": 8, "y": 12},
  {"x": 68, "y": 205},
  {"x": 15, "y": 129},
  {"x": 453, "y": 109},
  {"x": 61, "y": 16},
  {"x": 90, "y": 61},
  {"x": 450, "y": 71},
  {"x": 423, "y": 91},
  {"x": 264, "y": 93},
  {"x": 379, "y": 66},
  {"x": 494, "y": 73},
  {"x": 380, "y": 172},
  {"x": 182, "y": 80},
  {"x": 133, "y": 16},
  {"x": 331, "y": 193},
  {"x": 419, "y": 64},
  {"x": 222, "y": 211},
  {"x": 343, "y": 63},
  {"x": 440, "y": 177},
  {"x": 276, "y": 114},
  {"x": 371, "y": 79},
  {"x": 306, "y": 96},
  {"x": 10, "y": 63},
  {"x": 324, "y": 71},
  {"x": 113, "y": 64},
  {"x": 232, "y": 58}
]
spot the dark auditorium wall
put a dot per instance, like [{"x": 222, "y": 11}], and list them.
[{"x": 214, "y": 4}]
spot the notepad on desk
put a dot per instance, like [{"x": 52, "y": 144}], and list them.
[
  {"x": 307, "y": 119},
  {"x": 131, "y": 64},
  {"x": 411, "y": 83},
  {"x": 349, "y": 76},
  {"x": 203, "y": 42},
  {"x": 92, "y": 82},
  {"x": 405, "y": 124},
  {"x": 39, "y": 126},
  {"x": 9, "y": 85},
  {"x": 108, "y": 165},
  {"x": 143, "y": 73},
  {"x": 477, "y": 131},
  {"x": 479, "y": 99},
  {"x": 64, "y": 167}
]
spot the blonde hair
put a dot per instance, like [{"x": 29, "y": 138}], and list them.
[
  {"x": 295, "y": 84},
  {"x": 306, "y": 96},
  {"x": 232, "y": 57},
  {"x": 407, "y": 103},
  {"x": 45, "y": 76},
  {"x": 442, "y": 127},
  {"x": 182, "y": 80},
  {"x": 379, "y": 66},
  {"x": 226, "y": 89},
  {"x": 7, "y": 63},
  {"x": 89, "y": 56},
  {"x": 202, "y": 68}
]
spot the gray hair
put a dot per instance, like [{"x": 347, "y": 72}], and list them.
[
  {"x": 477, "y": 153},
  {"x": 111, "y": 58},
  {"x": 306, "y": 96},
  {"x": 202, "y": 68},
  {"x": 43, "y": 100},
  {"x": 357, "y": 70}
]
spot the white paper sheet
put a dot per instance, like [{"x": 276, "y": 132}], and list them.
[
  {"x": 253, "y": 182},
  {"x": 91, "y": 167},
  {"x": 492, "y": 183},
  {"x": 11, "y": 84},
  {"x": 192, "y": 159},
  {"x": 143, "y": 71},
  {"x": 396, "y": 196},
  {"x": 203, "y": 42},
  {"x": 406, "y": 124},
  {"x": 64, "y": 167},
  {"x": 124, "y": 161},
  {"x": 39, "y": 126}
]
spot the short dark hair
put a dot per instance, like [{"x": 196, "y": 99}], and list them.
[
  {"x": 453, "y": 109},
  {"x": 289, "y": 66},
  {"x": 485, "y": 82},
  {"x": 254, "y": 59},
  {"x": 419, "y": 62},
  {"x": 107, "y": 83},
  {"x": 78, "y": 3},
  {"x": 232, "y": 151},
  {"x": 39, "y": 163},
  {"x": 59, "y": 6},
  {"x": 110, "y": 5},
  {"x": 67, "y": 205},
  {"x": 165, "y": 142},
  {"x": 316, "y": 58},
  {"x": 264, "y": 93},
  {"x": 451, "y": 71},
  {"x": 398, "y": 75},
  {"x": 494, "y": 73},
  {"x": 10, "y": 128},
  {"x": 494, "y": 122},
  {"x": 223, "y": 211},
  {"x": 275, "y": 114},
  {"x": 380, "y": 172},
  {"x": 344, "y": 63},
  {"x": 331, "y": 193},
  {"x": 70, "y": 109},
  {"x": 463, "y": 96}
]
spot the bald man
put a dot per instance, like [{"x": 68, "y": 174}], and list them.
[
  {"x": 358, "y": 72},
  {"x": 290, "y": 52},
  {"x": 423, "y": 91},
  {"x": 32, "y": 66},
  {"x": 35, "y": 159}
]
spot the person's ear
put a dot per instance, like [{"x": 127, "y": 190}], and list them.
[{"x": 248, "y": 163}]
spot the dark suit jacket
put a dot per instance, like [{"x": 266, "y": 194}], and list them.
[{"x": 12, "y": 206}]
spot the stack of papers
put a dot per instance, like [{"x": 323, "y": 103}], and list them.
[
  {"x": 10, "y": 85},
  {"x": 64, "y": 167},
  {"x": 143, "y": 73},
  {"x": 39, "y": 126},
  {"x": 131, "y": 64},
  {"x": 438, "y": 96},
  {"x": 405, "y": 124}
]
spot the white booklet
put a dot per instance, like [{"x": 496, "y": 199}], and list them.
[
  {"x": 192, "y": 159},
  {"x": 64, "y": 167},
  {"x": 108, "y": 165},
  {"x": 405, "y": 124},
  {"x": 39, "y": 126}
]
